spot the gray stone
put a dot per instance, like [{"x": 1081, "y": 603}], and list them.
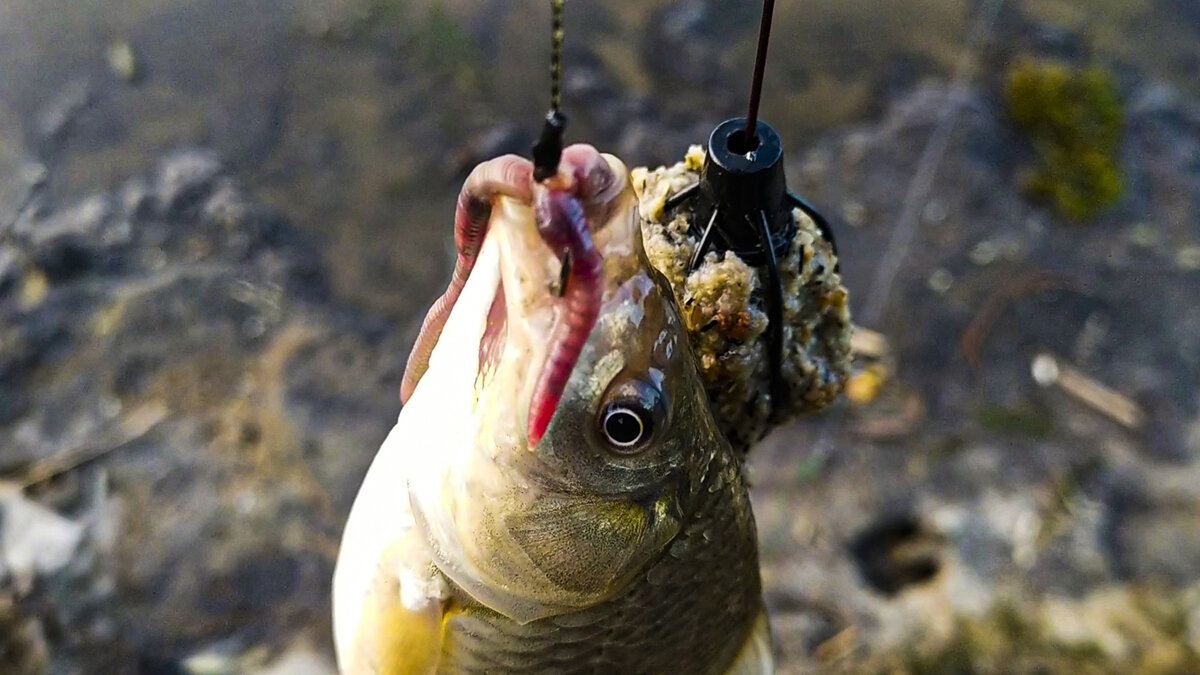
[
  {"x": 298, "y": 661},
  {"x": 185, "y": 178},
  {"x": 135, "y": 197},
  {"x": 34, "y": 541},
  {"x": 11, "y": 267},
  {"x": 20, "y": 176},
  {"x": 83, "y": 222},
  {"x": 55, "y": 120},
  {"x": 227, "y": 205},
  {"x": 1154, "y": 98},
  {"x": 1158, "y": 541}
]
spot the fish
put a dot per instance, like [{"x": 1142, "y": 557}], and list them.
[{"x": 555, "y": 496}]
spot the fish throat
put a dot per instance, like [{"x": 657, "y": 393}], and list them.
[{"x": 578, "y": 294}]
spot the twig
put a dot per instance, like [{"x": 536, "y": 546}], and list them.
[
  {"x": 1048, "y": 370},
  {"x": 976, "y": 332},
  {"x": 918, "y": 190},
  {"x": 866, "y": 342},
  {"x": 137, "y": 424}
]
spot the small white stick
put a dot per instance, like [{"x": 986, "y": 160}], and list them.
[{"x": 1047, "y": 370}]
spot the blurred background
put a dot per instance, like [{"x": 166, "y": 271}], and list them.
[{"x": 221, "y": 222}]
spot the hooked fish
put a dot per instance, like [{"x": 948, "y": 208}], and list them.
[{"x": 555, "y": 496}]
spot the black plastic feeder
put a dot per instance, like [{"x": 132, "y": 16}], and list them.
[{"x": 742, "y": 204}]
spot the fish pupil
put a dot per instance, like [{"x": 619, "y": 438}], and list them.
[{"x": 623, "y": 427}]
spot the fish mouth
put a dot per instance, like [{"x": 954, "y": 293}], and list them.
[{"x": 552, "y": 254}]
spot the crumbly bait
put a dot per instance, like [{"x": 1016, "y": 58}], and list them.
[{"x": 724, "y": 311}]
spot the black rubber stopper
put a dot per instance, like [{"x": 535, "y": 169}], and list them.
[
  {"x": 547, "y": 152},
  {"x": 743, "y": 177}
]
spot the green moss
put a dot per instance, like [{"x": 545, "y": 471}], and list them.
[
  {"x": 1073, "y": 117},
  {"x": 1015, "y": 420}
]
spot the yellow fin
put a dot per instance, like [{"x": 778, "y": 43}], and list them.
[{"x": 395, "y": 640}]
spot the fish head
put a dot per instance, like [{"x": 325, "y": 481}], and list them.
[{"x": 537, "y": 528}]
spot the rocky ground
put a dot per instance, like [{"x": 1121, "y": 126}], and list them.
[
  {"x": 184, "y": 416},
  {"x": 192, "y": 382},
  {"x": 967, "y": 514}
]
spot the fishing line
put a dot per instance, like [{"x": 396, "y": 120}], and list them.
[
  {"x": 760, "y": 66},
  {"x": 548, "y": 150},
  {"x": 556, "y": 42}
]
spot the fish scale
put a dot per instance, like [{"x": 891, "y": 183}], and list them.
[{"x": 712, "y": 589}]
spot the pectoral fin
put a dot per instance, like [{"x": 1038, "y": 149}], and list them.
[{"x": 395, "y": 640}]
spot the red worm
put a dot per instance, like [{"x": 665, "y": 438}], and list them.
[
  {"x": 564, "y": 227},
  {"x": 509, "y": 176}
]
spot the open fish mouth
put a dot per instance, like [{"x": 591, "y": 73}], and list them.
[{"x": 550, "y": 285}]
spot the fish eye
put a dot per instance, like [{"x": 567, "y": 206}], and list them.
[
  {"x": 628, "y": 420},
  {"x": 625, "y": 426}
]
